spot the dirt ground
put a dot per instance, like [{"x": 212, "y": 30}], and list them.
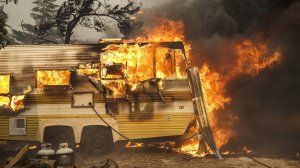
[
  {"x": 152, "y": 158},
  {"x": 155, "y": 157}
]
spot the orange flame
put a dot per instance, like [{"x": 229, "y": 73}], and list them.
[
  {"x": 14, "y": 103},
  {"x": 253, "y": 57},
  {"x": 138, "y": 63},
  {"x": 214, "y": 93},
  {"x": 166, "y": 31},
  {"x": 17, "y": 102}
]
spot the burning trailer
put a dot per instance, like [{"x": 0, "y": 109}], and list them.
[{"x": 96, "y": 95}]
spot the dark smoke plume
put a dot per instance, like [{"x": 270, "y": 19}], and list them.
[{"x": 268, "y": 105}]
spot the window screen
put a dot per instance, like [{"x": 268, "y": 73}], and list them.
[{"x": 20, "y": 123}]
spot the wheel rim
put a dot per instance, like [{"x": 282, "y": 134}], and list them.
[{"x": 98, "y": 142}]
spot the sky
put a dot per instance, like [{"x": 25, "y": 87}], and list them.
[{"x": 21, "y": 11}]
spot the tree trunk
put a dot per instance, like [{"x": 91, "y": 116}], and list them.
[
  {"x": 68, "y": 37},
  {"x": 70, "y": 28}
]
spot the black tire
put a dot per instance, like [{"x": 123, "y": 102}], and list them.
[
  {"x": 57, "y": 135},
  {"x": 97, "y": 141}
]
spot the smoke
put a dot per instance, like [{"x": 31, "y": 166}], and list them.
[{"x": 267, "y": 105}]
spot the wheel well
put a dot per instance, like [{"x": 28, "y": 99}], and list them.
[
  {"x": 51, "y": 129},
  {"x": 94, "y": 127}
]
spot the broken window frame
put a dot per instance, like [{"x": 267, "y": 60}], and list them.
[{"x": 52, "y": 69}]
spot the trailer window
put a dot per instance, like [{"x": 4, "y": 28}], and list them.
[
  {"x": 4, "y": 101},
  {"x": 4, "y": 84},
  {"x": 46, "y": 78}
]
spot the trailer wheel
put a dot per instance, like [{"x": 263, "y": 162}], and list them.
[
  {"x": 57, "y": 135},
  {"x": 97, "y": 140}
]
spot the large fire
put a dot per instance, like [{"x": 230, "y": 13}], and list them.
[
  {"x": 252, "y": 57},
  {"x": 138, "y": 62}
]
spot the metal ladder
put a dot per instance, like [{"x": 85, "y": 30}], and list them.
[{"x": 200, "y": 109}]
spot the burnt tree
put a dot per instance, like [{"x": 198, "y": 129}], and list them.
[{"x": 94, "y": 14}]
